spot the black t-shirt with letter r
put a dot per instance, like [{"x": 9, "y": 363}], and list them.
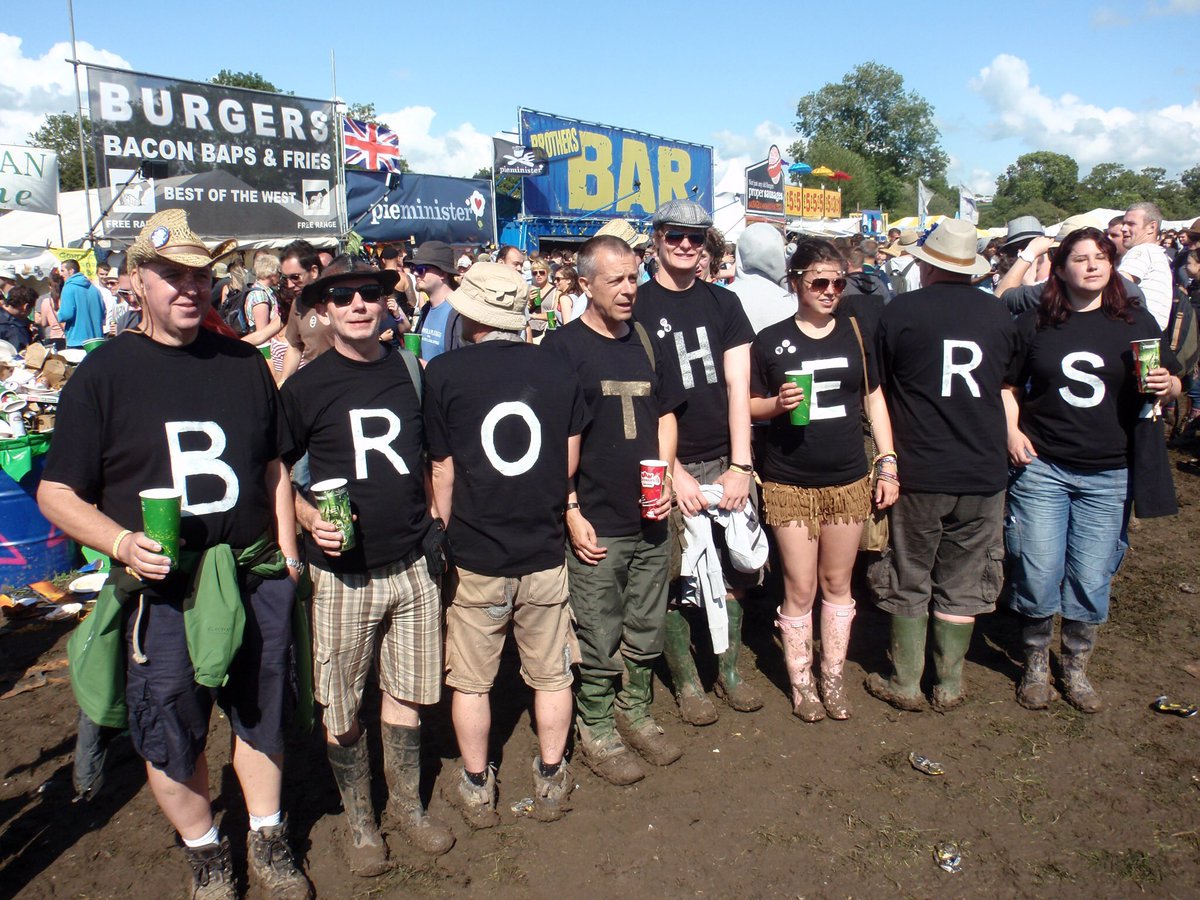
[
  {"x": 1083, "y": 399},
  {"x": 362, "y": 421},
  {"x": 626, "y": 396},
  {"x": 694, "y": 329},
  {"x": 943, "y": 352},
  {"x": 828, "y": 450},
  {"x": 503, "y": 410},
  {"x": 203, "y": 419}
]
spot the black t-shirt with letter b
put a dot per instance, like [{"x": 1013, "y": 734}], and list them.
[
  {"x": 362, "y": 421},
  {"x": 502, "y": 411}
]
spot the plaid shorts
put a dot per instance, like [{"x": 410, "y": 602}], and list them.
[{"x": 397, "y": 607}]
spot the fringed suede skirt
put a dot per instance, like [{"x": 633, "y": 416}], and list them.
[{"x": 842, "y": 504}]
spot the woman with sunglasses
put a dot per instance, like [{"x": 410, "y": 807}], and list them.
[
  {"x": 1069, "y": 442},
  {"x": 569, "y": 301},
  {"x": 542, "y": 297},
  {"x": 816, "y": 484}
]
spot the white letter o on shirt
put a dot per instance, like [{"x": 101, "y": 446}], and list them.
[{"x": 488, "y": 434}]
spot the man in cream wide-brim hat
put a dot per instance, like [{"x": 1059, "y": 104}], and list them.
[{"x": 944, "y": 351}]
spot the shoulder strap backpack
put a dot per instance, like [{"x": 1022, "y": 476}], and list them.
[
  {"x": 1182, "y": 334},
  {"x": 646, "y": 344}
]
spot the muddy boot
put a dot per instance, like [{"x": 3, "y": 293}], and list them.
[
  {"x": 796, "y": 632},
  {"x": 1078, "y": 640},
  {"x": 1034, "y": 691},
  {"x": 365, "y": 851},
  {"x": 600, "y": 746},
  {"x": 402, "y": 764},
  {"x": 476, "y": 802},
  {"x": 273, "y": 866},
  {"x": 212, "y": 872},
  {"x": 903, "y": 689},
  {"x": 694, "y": 706},
  {"x": 634, "y": 721},
  {"x": 950, "y": 643},
  {"x": 551, "y": 793},
  {"x": 835, "y": 640},
  {"x": 730, "y": 687}
]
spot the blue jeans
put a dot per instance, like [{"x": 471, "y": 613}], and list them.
[{"x": 1064, "y": 540}]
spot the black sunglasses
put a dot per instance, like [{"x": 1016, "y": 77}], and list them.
[
  {"x": 676, "y": 237},
  {"x": 820, "y": 285},
  {"x": 344, "y": 296}
]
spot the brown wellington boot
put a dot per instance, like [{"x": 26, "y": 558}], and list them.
[
  {"x": 1034, "y": 691},
  {"x": 1078, "y": 641},
  {"x": 402, "y": 763},
  {"x": 365, "y": 850}
]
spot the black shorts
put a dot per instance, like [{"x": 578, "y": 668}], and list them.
[{"x": 169, "y": 711}]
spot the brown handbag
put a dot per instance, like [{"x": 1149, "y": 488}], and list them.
[{"x": 876, "y": 531}]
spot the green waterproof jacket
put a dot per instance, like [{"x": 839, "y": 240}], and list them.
[{"x": 214, "y": 619}]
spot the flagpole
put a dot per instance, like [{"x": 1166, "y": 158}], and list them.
[
  {"x": 495, "y": 219},
  {"x": 87, "y": 194},
  {"x": 340, "y": 153}
]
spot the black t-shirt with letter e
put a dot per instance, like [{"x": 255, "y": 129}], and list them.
[
  {"x": 943, "y": 353},
  {"x": 828, "y": 450},
  {"x": 362, "y": 421},
  {"x": 626, "y": 396},
  {"x": 694, "y": 329},
  {"x": 1083, "y": 399},
  {"x": 203, "y": 419},
  {"x": 502, "y": 411}
]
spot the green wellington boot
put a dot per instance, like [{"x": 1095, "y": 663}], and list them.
[
  {"x": 903, "y": 689},
  {"x": 950, "y": 643},
  {"x": 636, "y": 723},
  {"x": 694, "y": 706},
  {"x": 730, "y": 686},
  {"x": 600, "y": 746}
]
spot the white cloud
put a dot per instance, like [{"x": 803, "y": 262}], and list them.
[
  {"x": 729, "y": 143},
  {"x": 1092, "y": 134},
  {"x": 460, "y": 151},
  {"x": 34, "y": 87}
]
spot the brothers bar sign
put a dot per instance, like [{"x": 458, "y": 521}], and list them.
[{"x": 242, "y": 163}]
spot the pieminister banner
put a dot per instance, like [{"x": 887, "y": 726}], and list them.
[
  {"x": 243, "y": 163},
  {"x": 607, "y": 172},
  {"x": 425, "y": 207},
  {"x": 28, "y": 179}
]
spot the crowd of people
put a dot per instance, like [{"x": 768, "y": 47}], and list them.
[{"x": 592, "y": 450}]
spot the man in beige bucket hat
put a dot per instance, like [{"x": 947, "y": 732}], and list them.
[{"x": 943, "y": 352}]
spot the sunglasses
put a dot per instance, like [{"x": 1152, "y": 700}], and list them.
[
  {"x": 539, "y": 272},
  {"x": 820, "y": 285},
  {"x": 344, "y": 296},
  {"x": 124, "y": 293},
  {"x": 696, "y": 239},
  {"x": 421, "y": 270},
  {"x": 294, "y": 279}
]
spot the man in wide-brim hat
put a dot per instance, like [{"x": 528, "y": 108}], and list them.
[
  {"x": 943, "y": 351},
  {"x": 177, "y": 406}
]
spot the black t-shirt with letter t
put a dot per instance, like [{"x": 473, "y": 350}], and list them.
[{"x": 503, "y": 410}]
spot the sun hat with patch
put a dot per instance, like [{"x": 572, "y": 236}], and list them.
[
  {"x": 343, "y": 268},
  {"x": 168, "y": 237},
  {"x": 951, "y": 247},
  {"x": 492, "y": 294},
  {"x": 682, "y": 213},
  {"x": 623, "y": 229}
]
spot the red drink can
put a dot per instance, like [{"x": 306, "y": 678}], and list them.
[{"x": 654, "y": 476}]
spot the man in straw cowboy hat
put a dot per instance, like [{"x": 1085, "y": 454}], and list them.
[
  {"x": 176, "y": 406},
  {"x": 944, "y": 351},
  {"x": 503, "y": 421},
  {"x": 356, "y": 412}
]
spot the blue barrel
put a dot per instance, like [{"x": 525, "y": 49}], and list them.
[{"x": 31, "y": 549}]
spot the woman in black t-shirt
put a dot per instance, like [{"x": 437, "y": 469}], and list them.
[
  {"x": 816, "y": 489},
  {"x": 1069, "y": 440}
]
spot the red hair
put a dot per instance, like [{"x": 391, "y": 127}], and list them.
[{"x": 1055, "y": 307}]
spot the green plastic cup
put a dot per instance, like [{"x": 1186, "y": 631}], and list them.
[
  {"x": 91, "y": 344},
  {"x": 1147, "y": 355},
  {"x": 412, "y": 342},
  {"x": 803, "y": 380},
  {"x": 265, "y": 350},
  {"x": 333, "y": 502},
  {"x": 551, "y": 320},
  {"x": 160, "y": 519}
]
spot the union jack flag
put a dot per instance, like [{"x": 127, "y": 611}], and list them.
[{"x": 371, "y": 146}]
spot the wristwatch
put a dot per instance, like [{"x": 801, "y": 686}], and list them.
[
  {"x": 572, "y": 505},
  {"x": 1025, "y": 255},
  {"x": 293, "y": 563}
]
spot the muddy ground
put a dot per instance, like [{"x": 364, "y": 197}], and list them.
[{"x": 761, "y": 805}]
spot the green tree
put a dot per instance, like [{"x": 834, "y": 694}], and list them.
[
  {"x": 870, "y": 113},
  {"x": 251, "y": 80},
  {"x": 1045, "y": 212},
  {"x": 1051, "y": 177},
  {"x": 1190, "y": 188},
  {"x": 364, "y": 112},
  {"x": 60, "y": 133},
  {"x": 509, "y": 185}
]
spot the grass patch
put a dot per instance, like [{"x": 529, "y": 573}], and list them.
[
  {"x": 1050, "y": 873},
  {"x": 1132, "y": 865},
  {"x": 407, "y": 879}
]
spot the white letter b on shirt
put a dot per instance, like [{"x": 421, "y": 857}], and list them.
[{"x": 188, "y": 463}]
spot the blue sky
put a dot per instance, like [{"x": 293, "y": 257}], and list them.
[{"x": 1100, "y": 81}]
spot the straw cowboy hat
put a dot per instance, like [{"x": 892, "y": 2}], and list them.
[
  {"x": 168, "y": 237},
  {"x": 951, "y": 246},
  {"x": 492, "y": 294},
  {"x": 621, "y": 228}
]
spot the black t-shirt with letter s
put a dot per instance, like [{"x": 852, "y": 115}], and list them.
[
  {"x": 503, "y": 410},
  {"x": 362, "y": 421},
  {"x": 694, "y": 329},
  {"x": 943, "y": 352}
]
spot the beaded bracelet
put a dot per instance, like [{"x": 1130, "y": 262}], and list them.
[
  {"x": 884, "y": 457},
  {"x": 740, "y": 469},
  {"x": 888, "y": 476},
  {"x": 121, "y": 535}
]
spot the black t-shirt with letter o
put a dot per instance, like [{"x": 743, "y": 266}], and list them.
[
  {"x": 1083, "y": 399},
  {"x": 829, "y": 450},
  {"x": 694, "y": 329},
  {"x": 362, "y": 421},
  {"x": 943, "y": 352},
  {"x": 503, "y": 411},
  {"x": 626, "y": 396},
  {"x": 203, "y": 419}
]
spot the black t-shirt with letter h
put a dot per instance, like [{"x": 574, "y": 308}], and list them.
[
  {"x": 1083, "y": 399},
  {"x": 828, "y": 451},
  {"x": 944, "y": 351},
  {"x": 362, "y": 421},
  {"x": 694, "y": 329},
  {"x": 626, "y": 396},
  {"x": 203, "y": 419},
  {"x": 503, "y": 411}
]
